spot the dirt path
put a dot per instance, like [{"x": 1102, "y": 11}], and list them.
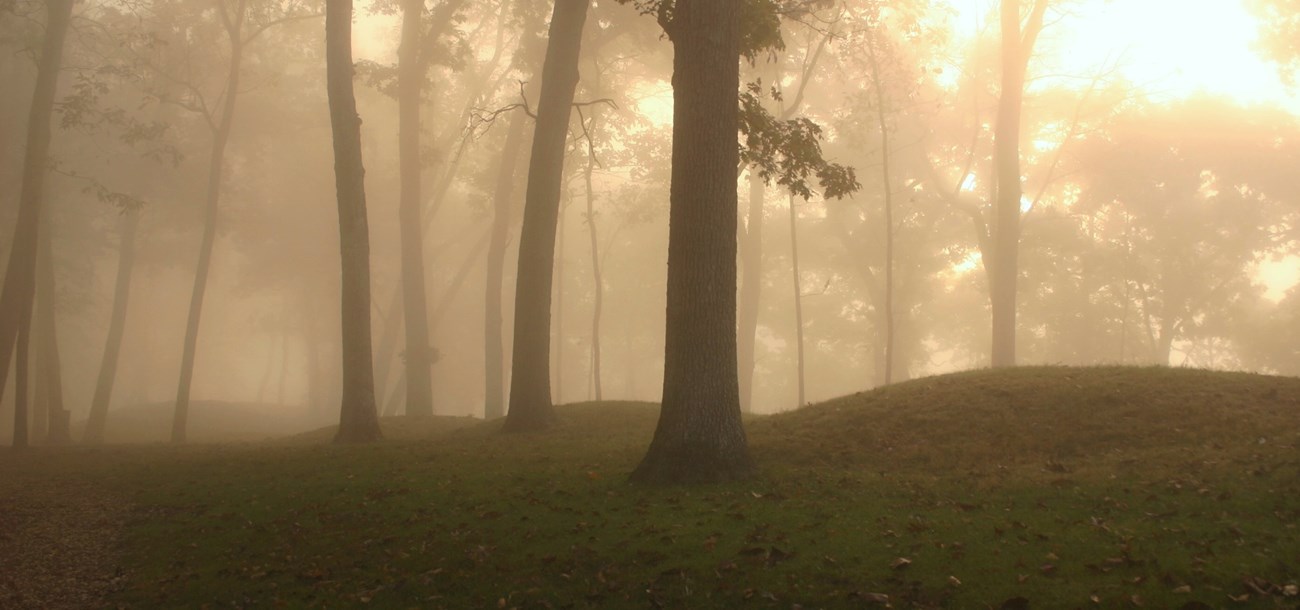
[{"x": 59, "y": 542}]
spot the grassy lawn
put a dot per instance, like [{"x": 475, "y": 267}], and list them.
[{"x": 1099, "y": 487}]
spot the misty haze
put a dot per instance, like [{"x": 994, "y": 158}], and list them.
[{"x": 650, "y": 303}]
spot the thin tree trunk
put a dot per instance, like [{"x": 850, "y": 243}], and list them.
[
  {"x": 494, "y": 359},
  {"x": 598, "y": 284},
  {"x": 39, "y": 410},
  {"x": 116, "y": 327},
  {"x": 284, "y": 366},
  {"x": 48, "y": 379},
  {"x": 798, "y": 302},
  {"x": 52, "y": 421},
  {"x": 264, "y": 385},
  {"x": 700, "y": 436},
  {"x": 751, "y": 245},
  {"x": 395, "y": 396},
  {"x": 751, "y": 288},
  {"x": 216, "y": 159},
  {"x": 1016, "y": 48},
  {"x": 389, "y": 339},
  {"x": 315, "y": 401},
  {"x": 21, "y": 392},
  {"x": 559, "y": 303},
  {"x": 530, "y": 392},
  {"x": 411, "y": 71},
  {"x": 358, "y": 420},
  {"x": 20, "y": 277},
  {"x": 889, "y": 209},
  {"x": 398, "y": 391}
]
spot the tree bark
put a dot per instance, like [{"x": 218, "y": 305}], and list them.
[
  {"x": 116, "y": 326},
  {"x": 530, "y": 391},
  {"x": 751, "y": 289},
  {"x": 216, "y": 160},
  {"x": 410, "y": 78},
  {"x": 494, "y": 359},
  {"x": 20, "y": 277},
  {"x": 700, "y": 436},
  {"x": 358, "y": 420}
]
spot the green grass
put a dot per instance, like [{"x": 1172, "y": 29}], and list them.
[{"x": 1098, "y": 487}]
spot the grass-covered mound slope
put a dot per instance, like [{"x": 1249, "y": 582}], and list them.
[
  {"x": 1049, "y": 417},
  {"x": 1062, "y": 488}
]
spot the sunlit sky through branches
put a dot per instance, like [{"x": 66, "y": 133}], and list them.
[{"x": 1169, "y": 48}]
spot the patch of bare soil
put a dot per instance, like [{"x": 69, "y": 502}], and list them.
[{"x": 59, "y": 542}]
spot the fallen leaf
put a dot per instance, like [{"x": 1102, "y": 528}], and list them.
[{"x": 900, "y": 563}]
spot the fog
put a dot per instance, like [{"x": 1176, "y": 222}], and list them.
[{"x": 1158, "y": 218}]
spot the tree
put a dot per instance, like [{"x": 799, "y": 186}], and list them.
[
  {"x": 412, "y": 69},
  {"x": 888, "y": 309},
  {"x": 220, "y": 122},
  {"x": 20, "y": 277},
  {"x": 530, "y": 385},
  {"x": 1280, "y": 26},
  {"x": 597, "y": 281},
  {"x": 1017, "y": 46},
  {"x": 751, "y": 235},
  {"x": 52, "y": 420},
  {"x": 117, "y": 323},
  {"x": 358, "y": 421},
  {"x": 410, "y": 81},
  {"x": 502, "y": 197},
  {"x": 700, "y": 436}
]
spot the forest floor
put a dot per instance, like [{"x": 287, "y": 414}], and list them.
[{"x": 1034, "y": 487}]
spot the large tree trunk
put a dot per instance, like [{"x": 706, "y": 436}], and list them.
[
  {"x": 1016, "y": 49},
  {"x": 494, "y": 359},
  {"x": 530, "y": 387},
  {"x": 216, "y": 159},
  {"x": 700, "y": 436},
  {"x": 20, "y": 276},
  {"x": 116, "y": 326},
  {"x": 410, "y": 77},
  {"x": 358, "y": 421},
  {"x": 751, "y": 288}
]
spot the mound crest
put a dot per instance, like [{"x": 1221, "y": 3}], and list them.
[{"x": 1048, "y": 415}]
